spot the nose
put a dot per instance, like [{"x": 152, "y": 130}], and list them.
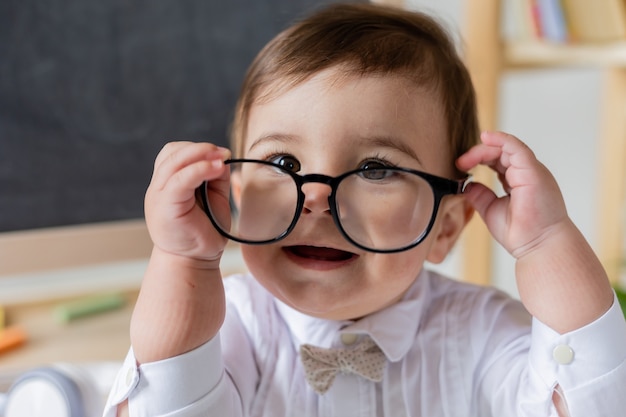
[{"x": 316, "y": 198}]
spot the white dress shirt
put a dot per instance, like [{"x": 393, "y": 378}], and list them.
[{"x": 453, "y": 350}]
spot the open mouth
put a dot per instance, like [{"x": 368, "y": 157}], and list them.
[{"x": 318, "y": 253}]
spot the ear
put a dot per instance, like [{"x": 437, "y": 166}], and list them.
[{"x": 454, "y": 213}]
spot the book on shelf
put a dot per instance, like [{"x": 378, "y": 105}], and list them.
[{"x": 572, "y": 21}]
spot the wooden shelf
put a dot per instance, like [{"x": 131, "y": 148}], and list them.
[
  {"x": 488, "y": 57},
  {"x": 543, "y": 54}
]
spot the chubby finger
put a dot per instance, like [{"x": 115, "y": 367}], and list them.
[
  {"x": 480, "y": 154},
  {"x": 168, "y": 149},
  {"x": 499, "y": 151},
  {"x": 514, "y": 151},
  {"x": 182, "y": 185},
  {"x": 502, "y": 139},
  {"x": 480, "y": 197},
  {"x": 176, "y": 156}
]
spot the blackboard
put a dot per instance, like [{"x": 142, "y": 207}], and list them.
[{"x": 90, "y": 90}]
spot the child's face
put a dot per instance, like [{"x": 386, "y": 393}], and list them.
[{"x": 331, "y": 125}]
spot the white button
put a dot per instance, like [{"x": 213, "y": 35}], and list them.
[
  {"x": 349, "y": 338},
  {"x": 130, "y": 376},
  {"x": 125, "y": 383},
  {"x": 563, "y": 354}
]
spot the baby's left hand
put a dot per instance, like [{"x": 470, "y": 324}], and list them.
[{"x": 533, "y": 205}]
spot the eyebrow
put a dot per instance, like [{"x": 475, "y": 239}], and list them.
[
  {"x": 389, "y": 142},
  {"x": 274, "y": 137},
  {"x": 374, "y": 141}
]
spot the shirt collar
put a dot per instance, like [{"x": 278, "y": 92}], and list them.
[{"x": 392, "y": 328}]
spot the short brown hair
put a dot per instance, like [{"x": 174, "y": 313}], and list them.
[{"x": 366, "y": 39}]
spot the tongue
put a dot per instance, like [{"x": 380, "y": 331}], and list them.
[{"x": 323, "y": 254}]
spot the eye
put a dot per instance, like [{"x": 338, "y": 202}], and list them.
[
  {"x": 288, "y": 162},
  {"x": 374, "y": 165},
  {"x": 376, "y": 174},
  {"x": 375, "y": 170}
]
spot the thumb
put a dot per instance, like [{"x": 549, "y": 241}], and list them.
[{"x": 481, "y": 198}]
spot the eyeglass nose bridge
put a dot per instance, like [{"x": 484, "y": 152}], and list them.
[{"x": 319, "y": 179}]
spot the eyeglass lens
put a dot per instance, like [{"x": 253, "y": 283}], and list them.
[
  {"x": 378, "y": 209},
  {"x": 384, "y": 209}
]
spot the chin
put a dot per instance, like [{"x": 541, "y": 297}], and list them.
[{"x": 323, "y": 306}]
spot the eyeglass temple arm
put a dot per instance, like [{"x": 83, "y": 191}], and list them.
[{"x": 463, "y": 184}]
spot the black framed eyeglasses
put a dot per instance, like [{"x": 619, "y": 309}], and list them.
[{"x": 382, "y": 210}]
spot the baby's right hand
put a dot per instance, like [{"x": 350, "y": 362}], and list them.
[{"x": 176, "y": 223}]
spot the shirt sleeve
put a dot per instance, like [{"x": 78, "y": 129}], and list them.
[
  {"x": 188, "y": 385},
  {"x": 588, "y": 364}
]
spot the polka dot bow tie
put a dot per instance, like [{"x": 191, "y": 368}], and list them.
[{"x": 322, "y": 365}]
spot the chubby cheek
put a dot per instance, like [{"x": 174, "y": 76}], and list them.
[
  {"x": 388, "y": 276},
  {"x": 253, "y": 257},
  {"x": 263, "y": 264},
  {"x": 394, "y": 273}
]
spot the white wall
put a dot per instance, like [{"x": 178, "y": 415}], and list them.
[{"x": 556, "y": 112}]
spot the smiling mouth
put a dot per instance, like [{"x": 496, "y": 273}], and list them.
[{"x": 318, "y": 253}]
